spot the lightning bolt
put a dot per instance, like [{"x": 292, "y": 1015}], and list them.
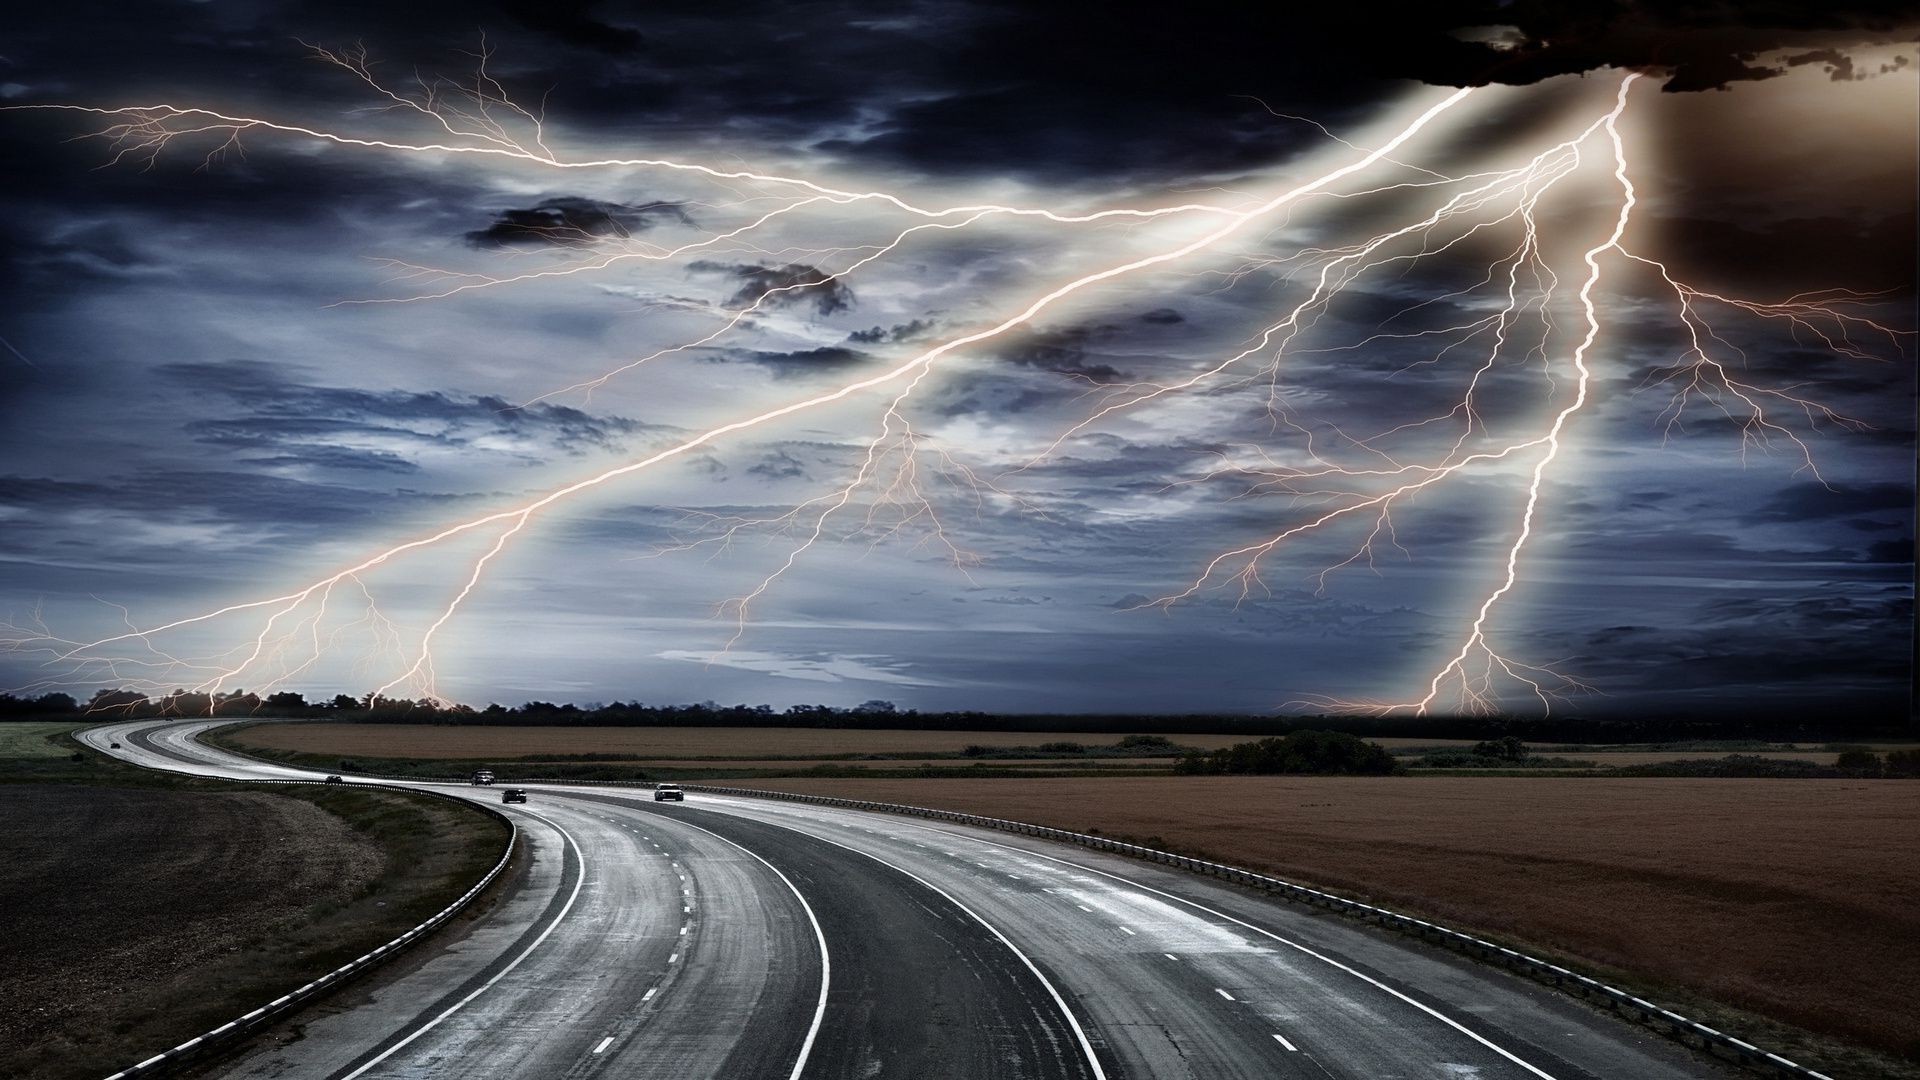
[{"x": 294, "y": 629}]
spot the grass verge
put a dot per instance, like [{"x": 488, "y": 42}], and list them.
[{"x": 145, "y": 909}]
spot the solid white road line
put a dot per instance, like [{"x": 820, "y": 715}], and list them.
[
  {"x": 826, "y": 965},
  {"x": 1285, "y": 1043},
  {"x": 503, "y": 972},
  {"x": 1086, "y": 1047}
]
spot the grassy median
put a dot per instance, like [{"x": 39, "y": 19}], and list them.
[{"x": 144, "y": 909}]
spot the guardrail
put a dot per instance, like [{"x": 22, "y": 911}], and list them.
[
  {"x": 231, "y": 1031},
  {"x": 1664, "y": 1021}
]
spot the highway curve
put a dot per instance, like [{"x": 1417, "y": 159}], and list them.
[{"x": 749, "y": 938}]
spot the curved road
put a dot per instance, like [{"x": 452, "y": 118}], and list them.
[{"x": 746, "y": 938}]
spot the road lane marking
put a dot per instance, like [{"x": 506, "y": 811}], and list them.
[
  {"x": 1073, "y": 1022},
  {"x": 505, "y": 971},
  {"x": 1128, "y": 930},
  {"x": 1285, "y": 1043},
  {"x": 648, "y": 996},
  {"x": 1170, "y": 956},
  {"x": 1084, "y": 908},
  {"x": 674, "y": 959},
  {"x": 826, "y": 963},
  {"x": 604, "y": 1043},
  {"x": 1223, "y": 993}
]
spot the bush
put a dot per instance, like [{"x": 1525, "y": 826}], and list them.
[
  {"x": 1506, "y": 749},
  {"x": 1324, "y": 753},
  {"x": 1858, "y": 760},
  {"x": 1903, "y": 763}
]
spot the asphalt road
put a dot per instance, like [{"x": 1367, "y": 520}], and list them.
[{"x": 747, "y": 938}]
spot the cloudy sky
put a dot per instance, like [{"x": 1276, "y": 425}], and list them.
[{"x": 235, "y": 367}]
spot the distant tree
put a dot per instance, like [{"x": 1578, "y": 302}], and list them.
[
  {"x": 1307, "y": 752},
  {"x": 55, "y": 702},
  {"x": 876, "y": 706},
  {"x": 1903, "y": 763},
  {"x": 1860, "y": 760},
  {"x": 127, "y": 701},
  {"x": 287, "y": 699},
  {"x": 1509, "y": 748},
  {"x": 343, "y": 701}
]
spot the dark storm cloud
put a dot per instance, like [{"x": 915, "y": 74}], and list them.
[
  {"x": 1813, "y": 501},
  {"x": 798, "y": 284},
  {"x": 800, "y": 362},
  {"x": 1065, "y": 351},
  {"x": 879, "y": 335},
  {"x": 571, "y": 220},
  {"x": 1696, "y": 46},
  {"x": 573, "y": 22},
  {"x": 294, "y": 420}
]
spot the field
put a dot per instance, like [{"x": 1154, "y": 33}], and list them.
[
  {"x": 787, "y": 749},
  {"x": 1789, "y": 898},
  {"x": 644, "y": 743},
  {"x": 142, "y": 910}
]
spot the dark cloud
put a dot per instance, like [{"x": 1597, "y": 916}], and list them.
[
  {"x": 799, "y": 362},
  {"x": 570, "y": 220},
  {"x": 1695, "y": 46},
  {"x": 1064, "y": 351},
  {"x": 907, "y": 331},
  {"x": 572, "y": 21},
  {"x": 778, "y": 465},
  {"x": 1814, "y": 501},
  {"x": 288, "y": 420},
  {"x": 792, "y": 285},
  {"x": 1163, "y": 317}
]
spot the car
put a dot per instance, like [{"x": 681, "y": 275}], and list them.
[
  {"x": 335, "y": 780},
  {"x": 513, "y": 794},
  {"x": 113, "y": 746},
  {"x": 668, "y": 793},
  {"x": 482, "y": 777}
]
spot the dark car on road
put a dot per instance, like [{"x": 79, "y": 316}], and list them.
[
  {"x": 513, "y": 794},
  {"x": 668, "y": 793},
  {"x": 335, "y": 780},
  {"x": 113, "y": 746},
  {"x": 484, "y": 776}
]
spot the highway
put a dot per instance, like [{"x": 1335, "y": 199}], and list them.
[{"x": 748, "y": 938}]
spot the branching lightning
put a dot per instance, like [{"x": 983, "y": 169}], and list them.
[{"x": 1526, "y": 329}]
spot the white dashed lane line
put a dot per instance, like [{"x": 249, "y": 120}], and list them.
[
  {"x": 1128, "y": 930},
  {"x": 604, "y": 1043},
  {"x": 648, "y": 996},
  {"x": 1285, "y": 1043},
  {"x": 1223, "y": 993}
]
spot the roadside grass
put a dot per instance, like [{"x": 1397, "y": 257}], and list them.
[
  {"x": 25, "y": 739},
  {"x": 147, "y": 908}
]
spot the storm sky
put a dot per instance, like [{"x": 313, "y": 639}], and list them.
[{"x": 201, "y": 409}]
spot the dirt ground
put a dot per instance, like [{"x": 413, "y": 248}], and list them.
[
  {"x": 140, "y": 917},
  {"x": 1791, "y": 898}
]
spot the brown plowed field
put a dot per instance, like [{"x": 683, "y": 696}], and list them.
[{"x": 1793, "y": 898}]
